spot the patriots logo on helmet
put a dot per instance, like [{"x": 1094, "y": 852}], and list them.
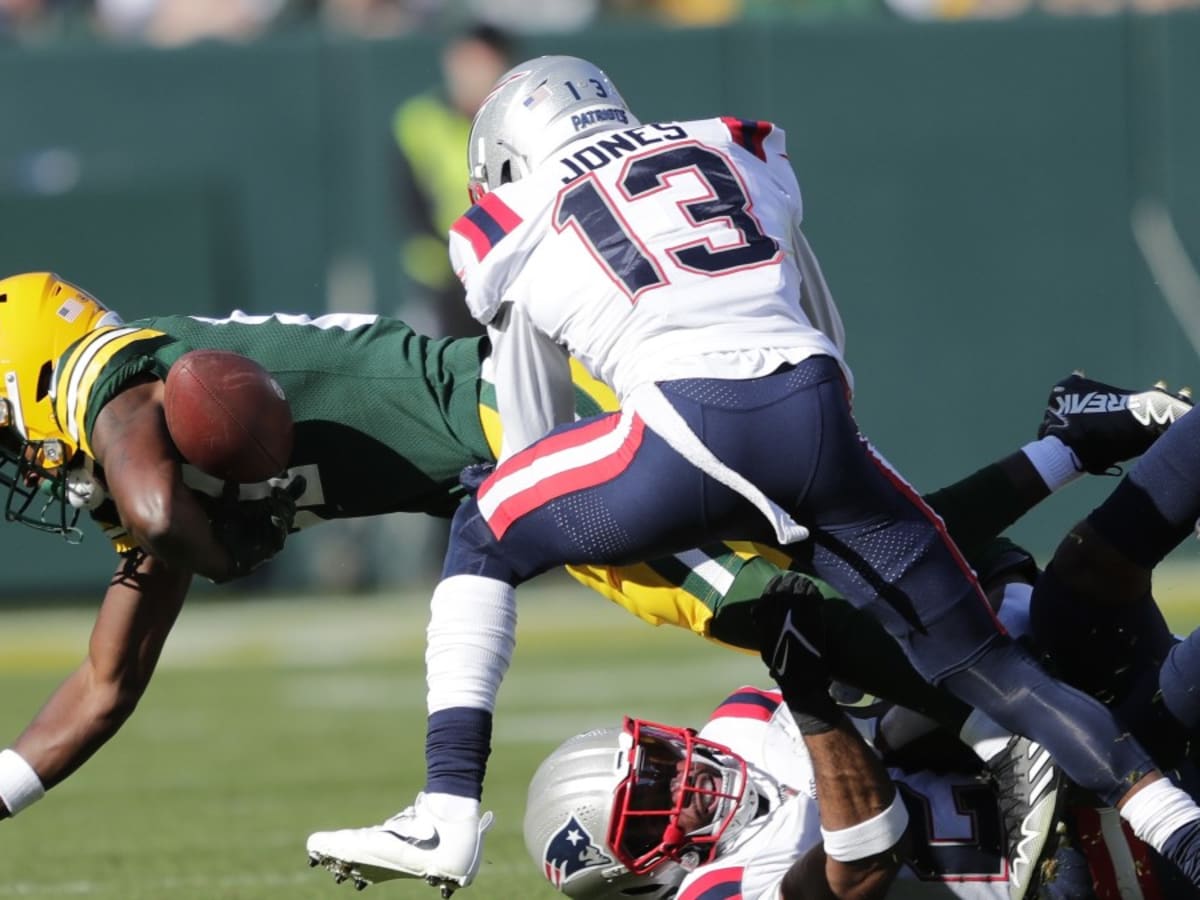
[{"x": 571, "y": 850}]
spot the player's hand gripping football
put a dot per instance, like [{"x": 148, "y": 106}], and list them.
[
  {"x": 253, "y": 531},
  {"x": 793, "y": 661}
]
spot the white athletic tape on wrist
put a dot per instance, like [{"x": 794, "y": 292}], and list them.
[
  {"x": 876, "y": 835},
  {"x": 1157, "y": 811},
  {"x": 1055, "y": 462},
  {"x": 19, "y": 784}
]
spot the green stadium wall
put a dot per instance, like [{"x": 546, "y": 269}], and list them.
[{"x": 969, "y": 189}]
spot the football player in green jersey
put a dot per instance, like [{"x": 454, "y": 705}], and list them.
[{"x": 81, "y": 428}]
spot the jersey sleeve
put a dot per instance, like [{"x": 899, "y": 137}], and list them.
[
  {"x": 94, "y": 369},
  {"x": 482, "y": 251},
  {"x": 534, "y": 391},
  {"x": 768, "y": 143},
  {"x": 715, "y": 882},
  {"x": 752, "y": 876},
  {"x": 89, "y": 374},
  {"x": 762, "y": 139},
  {"x": 743, "y": 719}
]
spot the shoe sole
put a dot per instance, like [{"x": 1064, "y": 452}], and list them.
[
  {"x": 365, "y": 874},
  {"x": 1039, "y": 835}
]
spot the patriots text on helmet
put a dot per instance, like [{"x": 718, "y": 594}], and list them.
[
  {"x": 612, "y": 145},
  {"x": 591, "y": 117}
]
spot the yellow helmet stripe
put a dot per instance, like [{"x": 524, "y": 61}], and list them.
[{"x": 82, "y": 370}]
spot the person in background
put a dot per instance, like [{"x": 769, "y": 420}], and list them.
[{"x": 429, "y": 133}]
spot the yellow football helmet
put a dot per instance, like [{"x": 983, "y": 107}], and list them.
[{"x": 40, "y": 317}]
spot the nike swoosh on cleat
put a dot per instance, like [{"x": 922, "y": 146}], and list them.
[{"x": 429, "y": 843}]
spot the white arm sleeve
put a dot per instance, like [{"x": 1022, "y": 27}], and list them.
[{"x": 533, "y": 381}]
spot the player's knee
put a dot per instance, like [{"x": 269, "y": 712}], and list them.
[
  {"x": 1089, "y": 564},
  {"x": 473, "y": 549},
  {"x": 1099, "y": 649}
]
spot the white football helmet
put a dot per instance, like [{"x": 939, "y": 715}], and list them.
[
  {"x": 534, "y": 109},
  {"x": 603, "y": 815}
]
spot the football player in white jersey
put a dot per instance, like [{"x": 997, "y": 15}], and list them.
[
  {"x": 597, "y": 805},
  {"x": 668, "y": 259},
  {"x": 581, "y": 796},
  {"x": 590, "y": 798}
]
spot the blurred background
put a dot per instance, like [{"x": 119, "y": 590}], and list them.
[{"x": 999, "y": 190}]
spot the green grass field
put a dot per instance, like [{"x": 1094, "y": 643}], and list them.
[{"x": 268, "y": 720}]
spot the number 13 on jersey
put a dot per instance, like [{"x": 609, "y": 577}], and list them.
[{"x": 605, "y": 220}]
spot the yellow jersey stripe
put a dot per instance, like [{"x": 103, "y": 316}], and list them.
[{"x": 79, "y": 374}]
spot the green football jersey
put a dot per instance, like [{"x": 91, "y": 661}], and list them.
[{"x": 385, "y": 418}]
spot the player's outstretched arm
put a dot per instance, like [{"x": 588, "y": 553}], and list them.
[
  {"x": 863, "y": 818},
  {"x": 143, "y": 475},
  {"x": 139, "y": 608},
  {"x": 852, "y": 787}
]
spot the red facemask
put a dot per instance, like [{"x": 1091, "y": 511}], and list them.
[{"x": 679, "y": 795}]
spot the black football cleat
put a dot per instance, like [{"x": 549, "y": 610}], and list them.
[{"x": 1106, "y": 425}]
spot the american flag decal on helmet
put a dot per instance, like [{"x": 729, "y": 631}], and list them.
[
  {"x": 540, "y": 93},
  {"x": 569, "y": 851}
]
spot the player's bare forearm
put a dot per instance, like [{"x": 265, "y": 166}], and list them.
[
  {"x": 810, "y": 878},
  {"x": 89, "y": 707},
  {"x": 143, "y": 474},
  {"x": 183, "y": 537},
  {"x": 852, "y": 787}
]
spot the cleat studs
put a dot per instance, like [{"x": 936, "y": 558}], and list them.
[
  {"x": 360, "y": 884},
  {"x": 1185, "y": 394},
  {"x": 313, "y": 861},
  {"x": 1160, "y": 385}
]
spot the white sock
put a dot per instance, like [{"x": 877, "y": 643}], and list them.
[
  {"x": 451, "y": 807},
  {"x": 471, "y": 635},
  {"x": 983, "y": 736},
  {"x": 1158, "y": 810},
  {"x": 1055, "y": 462}
]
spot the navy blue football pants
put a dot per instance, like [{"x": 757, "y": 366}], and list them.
[{"x": 608, "y": 490}]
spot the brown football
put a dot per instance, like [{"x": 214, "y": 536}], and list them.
[{"x": 227, "y": 416}]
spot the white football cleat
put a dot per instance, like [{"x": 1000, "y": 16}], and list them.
[{"x": 413, "y": 843}]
